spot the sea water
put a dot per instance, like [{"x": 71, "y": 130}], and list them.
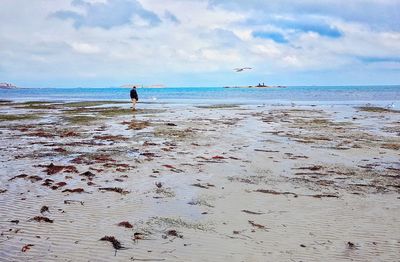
[{"x": 375, "y": 95}]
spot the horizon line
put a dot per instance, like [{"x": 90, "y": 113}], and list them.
[{"x": 231, "y": 86}]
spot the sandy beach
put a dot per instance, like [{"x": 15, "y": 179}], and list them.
[{"x": 95, "y": 181}]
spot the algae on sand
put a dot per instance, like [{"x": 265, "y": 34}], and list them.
[
  {"x": 92, "y": 103},
  {"x": 376, "y": 109},
  {"x": 136, "y": 125},
  {"x": 118, "y": 111},
  {"x": 173, "y": 133},
  {"x": 115, "y": 111},
  {"x": 255, "y": 180},
  {"x": 199, "y": 202},
  {"x": 10, "y": 117},
  {"x": 38, "y": 105},
  {"x": 109, "y": 111},
  {"x": 80, "y": 119},
  {"x": 37, "y": 102},
  {"x": 393, "y": 146},
  {"x": 177, "y": 222},
  {"x": 219, "y": 106}
]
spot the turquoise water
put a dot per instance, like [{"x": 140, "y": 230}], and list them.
[{"x": 299, "y": 94}]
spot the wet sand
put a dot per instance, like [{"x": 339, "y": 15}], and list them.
[{"x": 198, "y": 183}]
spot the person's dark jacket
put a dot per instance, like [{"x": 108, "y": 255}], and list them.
[{"x": 134, "y": 94}]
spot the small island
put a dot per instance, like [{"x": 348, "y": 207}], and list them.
[
  {"x": 257, "y": 86},
  {"x": 7, "y": 86}
]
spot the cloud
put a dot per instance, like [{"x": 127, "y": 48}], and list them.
[
  {"x": 85, "y": 48},
  {"x": 274, "y": 36},
  {"x": 371, "y": 59},
  {"x": 171, "y": 17},
  {"x": 303, "y": 25},
  {"x": 198, "y": 42},
  {"x": 378, "y": 14},
  {"x": 221, "y": 38},
  {"x": 107, "y": 14}
]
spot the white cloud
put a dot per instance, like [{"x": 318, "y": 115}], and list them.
[
  {"x": 85, "y": 48},
  {"x": 192, "y": 40}
]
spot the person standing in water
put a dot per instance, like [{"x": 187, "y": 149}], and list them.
[{"x": 134, "y": 97}]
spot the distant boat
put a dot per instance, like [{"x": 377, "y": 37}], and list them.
[
  {"x": 257, "y": 86},
  {"x": 7, "y": 86}
]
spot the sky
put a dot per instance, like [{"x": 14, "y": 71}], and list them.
[{"x": 103, "y": 43}]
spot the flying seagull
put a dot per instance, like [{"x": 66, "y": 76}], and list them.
[
  {"x": 389, "y": 106},
  {"x": 242, "y": 69}
]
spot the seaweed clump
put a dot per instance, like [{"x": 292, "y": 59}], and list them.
[
  {"x": 116, "y": 244},
  {"x": 42, "y": 219},
  {"x": 376, "y": 109}
]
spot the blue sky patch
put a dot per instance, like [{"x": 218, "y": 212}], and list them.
[
  {"x": 318, "y": 27},
  {"x": 108, "y": 15},
  {"x": 274, "y": 36}
]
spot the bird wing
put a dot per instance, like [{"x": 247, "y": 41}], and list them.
[{"x": 242, "y": 69}]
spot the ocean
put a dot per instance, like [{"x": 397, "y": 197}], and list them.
[{"x": 348, "y": 95}]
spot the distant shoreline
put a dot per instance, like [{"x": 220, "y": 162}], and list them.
[{"x": 199, "y": 87}]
